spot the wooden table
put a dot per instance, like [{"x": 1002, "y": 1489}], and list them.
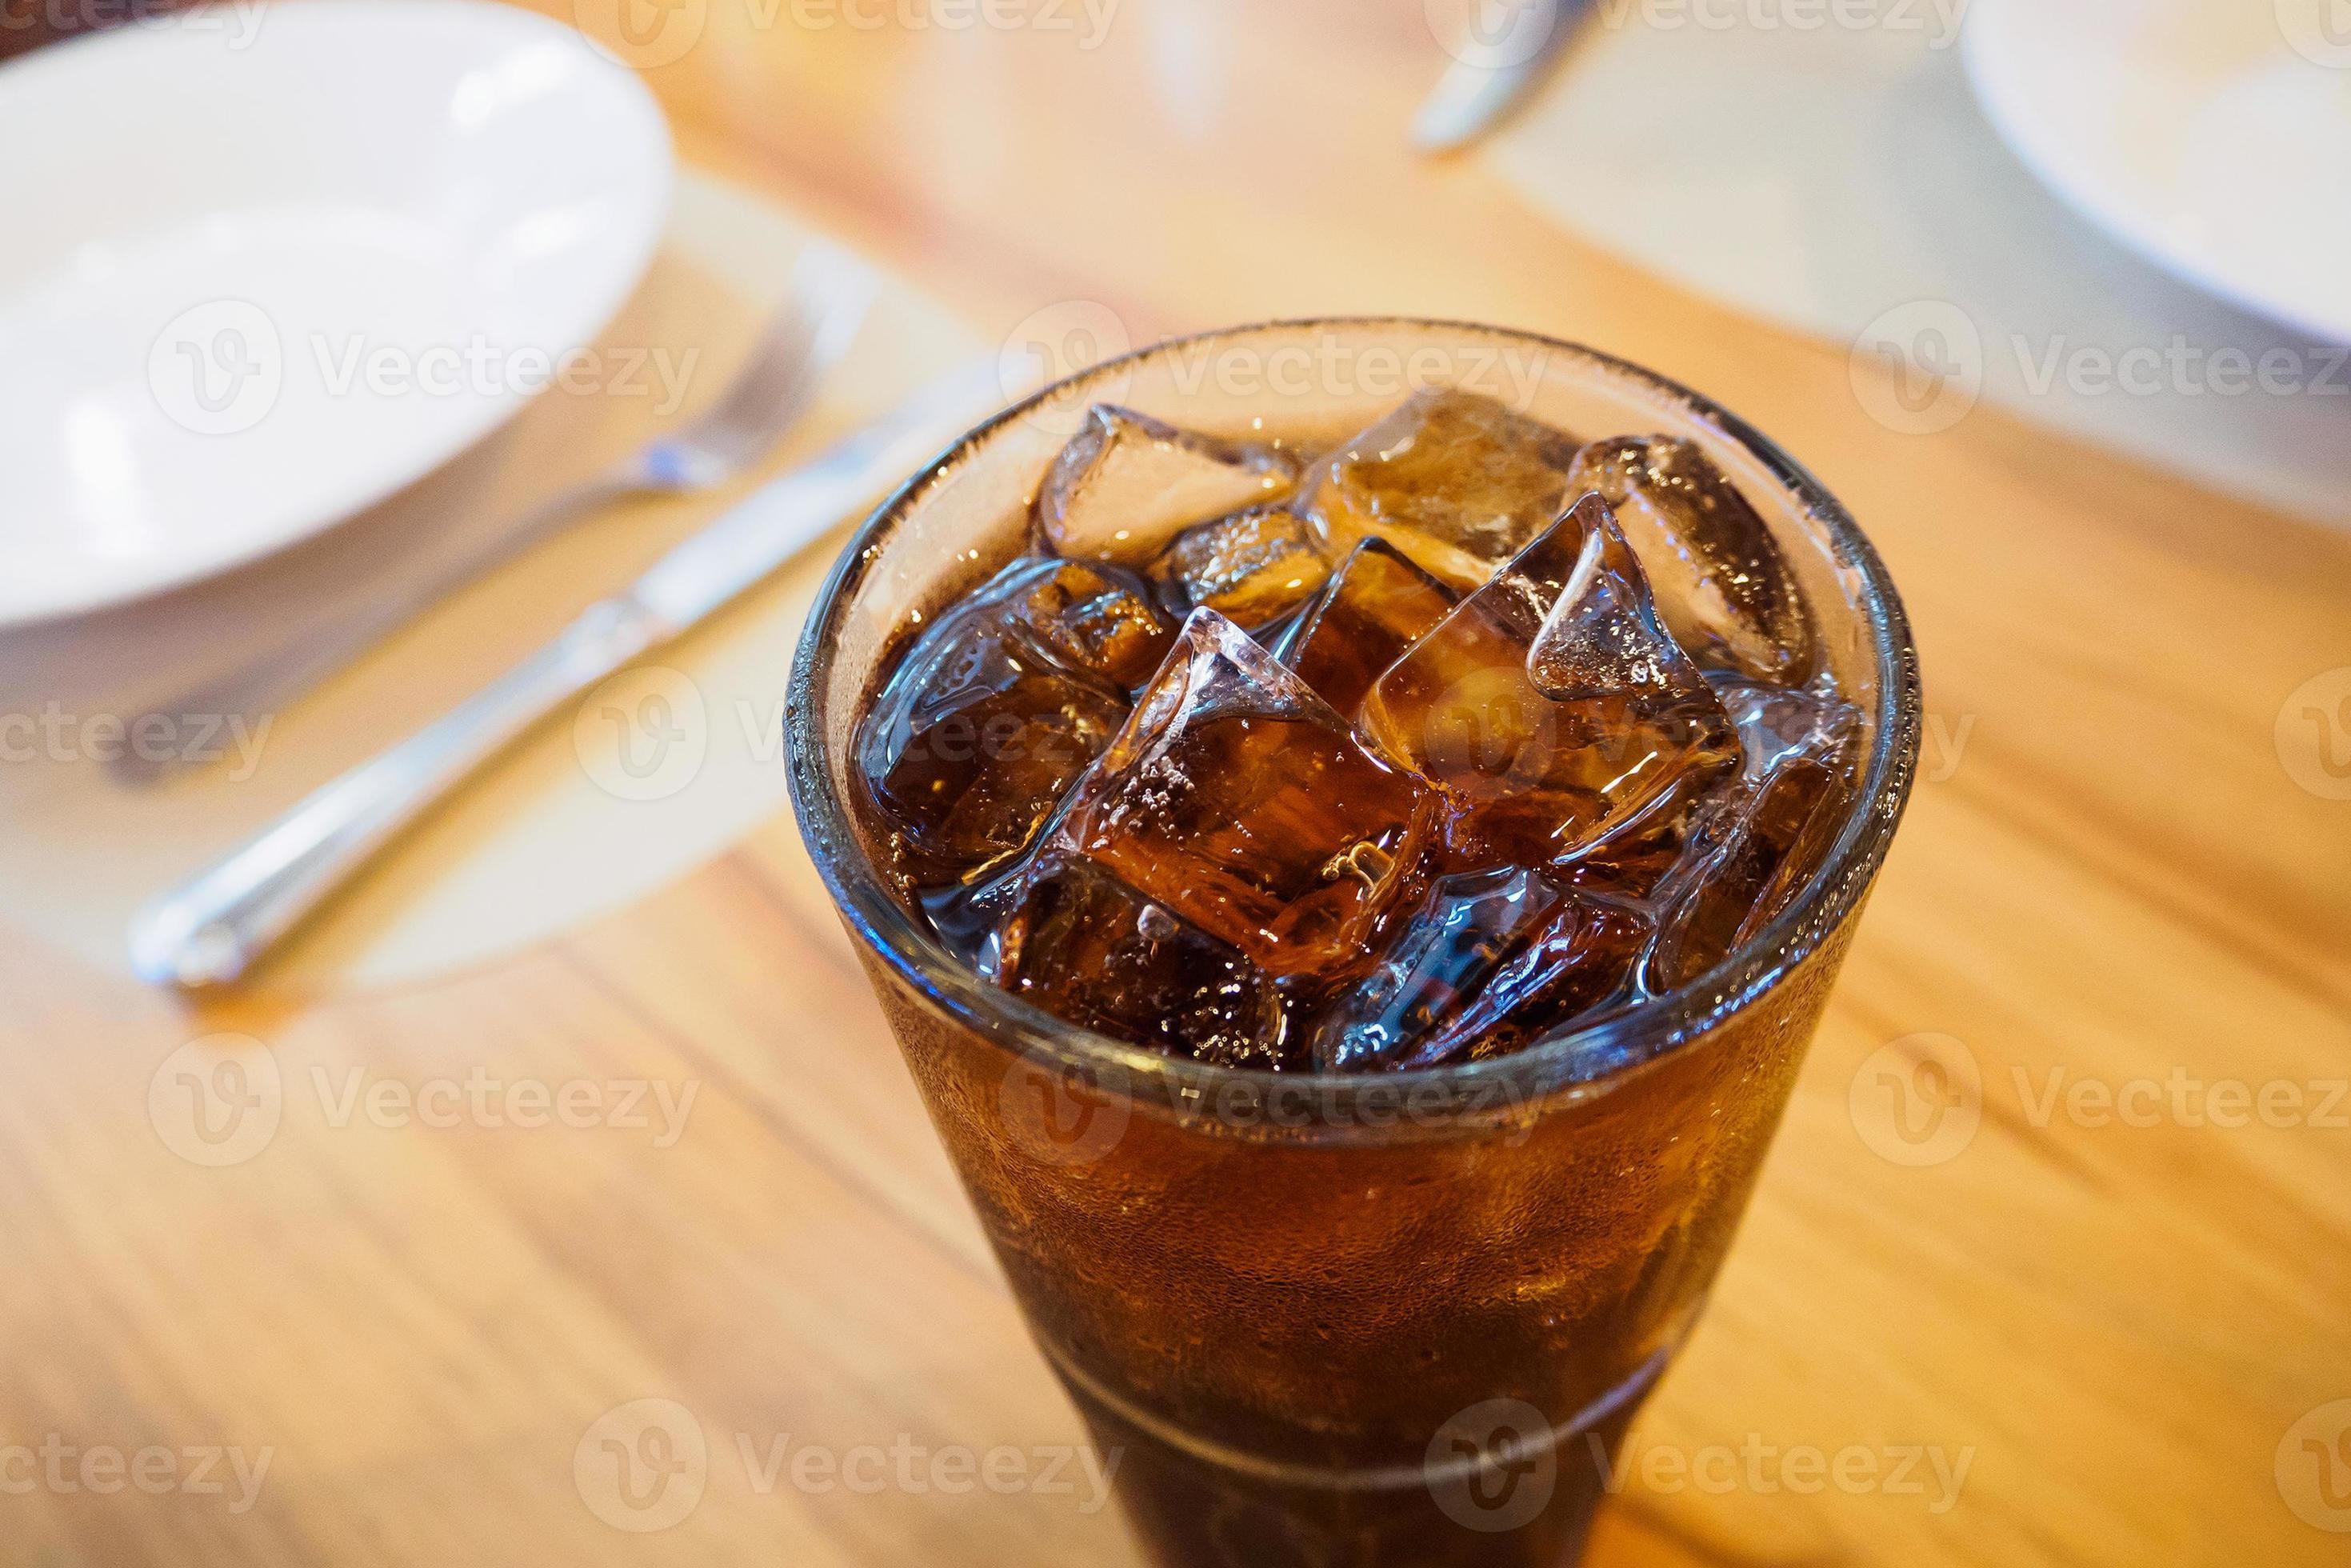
[{"x": 2118, "y": 867}]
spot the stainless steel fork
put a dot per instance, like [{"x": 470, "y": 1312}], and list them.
[{"x": 830, "y": 295}]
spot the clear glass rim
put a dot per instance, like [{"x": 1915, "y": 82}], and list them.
[{"x": 1589, "y": 1053}]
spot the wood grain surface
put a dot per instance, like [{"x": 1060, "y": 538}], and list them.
[{"x": 2098, "y": 1312}]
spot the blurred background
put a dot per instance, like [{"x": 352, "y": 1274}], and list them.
[{"x": 549, "y": 1187}]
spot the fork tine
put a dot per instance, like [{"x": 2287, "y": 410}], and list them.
[
  {"x": 844, "y": 281},
  {"x": 781, "y": 355},
  {"x": 831, "y": 292}
]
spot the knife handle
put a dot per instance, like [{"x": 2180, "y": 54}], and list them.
[{"x": 218, "y": 923}]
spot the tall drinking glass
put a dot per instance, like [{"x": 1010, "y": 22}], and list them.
[{"x": 1397, "y": 1319}]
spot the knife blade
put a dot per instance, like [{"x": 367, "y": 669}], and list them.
[{"x": 216, "y": 925}]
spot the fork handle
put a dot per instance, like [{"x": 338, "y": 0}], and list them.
[{"x": 211, "y": 929}]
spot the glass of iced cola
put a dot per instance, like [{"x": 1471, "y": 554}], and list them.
[{"x": 1353, "y": 825}]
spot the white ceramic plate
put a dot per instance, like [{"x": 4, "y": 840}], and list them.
[
  {"x": 264, "y": 267},
  {"x": 2211, "y": 136}
]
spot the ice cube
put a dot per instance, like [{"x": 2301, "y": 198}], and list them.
[
  {"x": 1601, "y": 636},
  {"x": 1443, "y": 953},
  {"x": 1635, "y": 864},
  {"x": 1086, "y": 947},
  {"x": 1242, "y": 801},
  {"x": 1368, "y": 616},
  {"x": 1097, "y": 620},
  {"x": 1583, "y": 962},
  {"x": 1456, "y": 480},
  {"x": 1000, "y": 708},
  {"x": 1751, "y": 860},
  {"x": 1618, "y": 735},
  {"x": 1251, "y": 568},
  {"x": 966, "y": 915},
  {"x": 1128, "y": 484},
  {"x": 1722, "y": 583},
  {"x": 1776, "y": 723}
]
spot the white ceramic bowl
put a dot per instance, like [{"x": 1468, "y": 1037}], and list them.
[{"x": 264, "y": 266}]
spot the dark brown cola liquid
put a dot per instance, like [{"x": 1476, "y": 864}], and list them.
[{"x": 1401, "y": 752}]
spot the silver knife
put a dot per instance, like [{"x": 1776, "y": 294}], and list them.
[
  {"x": 212, "y": 928},
  {"x": 1508, "y": 49}
]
